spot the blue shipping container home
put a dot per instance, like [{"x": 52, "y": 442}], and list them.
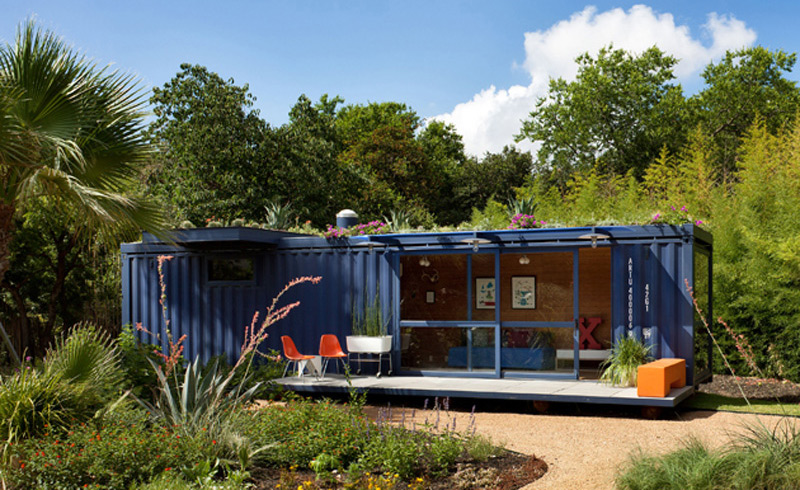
[{"x": 510, "y": 304}]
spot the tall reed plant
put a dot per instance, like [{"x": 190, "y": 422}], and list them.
[{"x": 370, "y": 322}]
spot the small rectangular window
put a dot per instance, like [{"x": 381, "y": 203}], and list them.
[{"x": 231, "y": 270}]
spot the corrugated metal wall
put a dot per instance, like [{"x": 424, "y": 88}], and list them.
[
  {"x": 648, "y": 294},
  {"x": 650, "y": 297},
  {"x": 214, "y": 316}
]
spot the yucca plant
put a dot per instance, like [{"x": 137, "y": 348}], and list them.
[
  {"x": 279, "y": 216},
  {"x": 526, "y": 205},
  {"x": 398, "y": 220},
  {"x": 199, "y": 400},
  {"x": 627, "y": 354}
]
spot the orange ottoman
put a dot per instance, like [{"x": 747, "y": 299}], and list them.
[{"x": 656, "y": 378}]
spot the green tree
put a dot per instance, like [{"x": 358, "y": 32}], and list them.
[
  {"x": 381, "y": 150},
  {"x": 308, "y": 174},
  {"x": 616, "y": 116},
  {"x": 495, "y": 176},
  {"x": 214, "y": 150},
  {"x": 444, "y": 151},
  {"x": 744, "y": 84},
  {"x": 71, "y": 131}
]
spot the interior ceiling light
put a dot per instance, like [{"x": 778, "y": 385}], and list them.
[
  {"x": 424, "y": 262},
  {"x": 524, "y": 260},
  {"x": 475, "y": 241}
]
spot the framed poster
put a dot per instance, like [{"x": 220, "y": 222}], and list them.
[
  {"x": 523, "y": 292},
  {"x": 485, "y": 293}
]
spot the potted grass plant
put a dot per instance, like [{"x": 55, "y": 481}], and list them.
[
  {"x": 621, "y": 367},
  {"x": 370, "y": 330}
]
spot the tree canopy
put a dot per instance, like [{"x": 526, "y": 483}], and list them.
[{"x": 616, "y": 115}]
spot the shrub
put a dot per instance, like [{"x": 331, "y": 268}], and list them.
[
  {"x": 303, "y": 430},
  {"x": 138, "y": 374},
  {"x": 88, "y": 361},
  {"x": 79, "y": 376},
  {"x": 122, "y": 450},
  {"x": 627, "y": 354},
  {"x": 31, "y": 401},
  {"x": 198, "y": 400}
]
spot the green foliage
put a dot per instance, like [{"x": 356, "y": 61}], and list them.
[
  {"x": 119, "y": 451},
  {"x": 398, "y": 221},
  {"x": 88, "y": 360},
  {"x": 303, "y": 430},
  {"x": 482, "y": 448},
  {"x": 525, "y": 205},
  {"x": 214, "y": 150},
  {"x": 627, "y": 354},
  {"x": 199, "y": 400},
  {"x": 79, "y": 377},
  {"x": 70, "y": 151},
  {"x": 32, "y": 401},
  {"x": 617, "y": 114},
  {"x": 757, "y": 269},
  {"x": 493, "y": 178},
  {"x": 278, "y": 217},
  {"x": 326, "y": 436},
  {"x": 761, "y": 458},
  {"x": 743, "y": 85},
  {"x": 138, "y": 373},
  {"x": 494, "y": 216}
]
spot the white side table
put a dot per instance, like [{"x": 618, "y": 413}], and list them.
[{"x": 313, "y": 366}]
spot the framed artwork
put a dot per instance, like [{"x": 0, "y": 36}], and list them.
[
  {"x": 523, "y": 292},
  {"x": 485, "y": 293},
  {"x": 430, "y": 297}
]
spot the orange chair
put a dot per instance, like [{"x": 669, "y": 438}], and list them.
[
  {"x": 330, "y": 348},
  {"x": 290, "y": 352}
]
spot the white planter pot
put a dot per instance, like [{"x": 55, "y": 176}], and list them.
[{"x": 369, "y": 345}]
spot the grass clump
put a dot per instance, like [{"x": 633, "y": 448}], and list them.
[
  {"x": 627, "y": 354},
  {"x": 760, "y": 458}
]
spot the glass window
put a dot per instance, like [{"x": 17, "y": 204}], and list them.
[
  {"x": 543, "y": 280},
  {"x": 433, "y": 287},
  {"x": 536, "y": 349},
  {"x": 447, "y": 349},
  {"x": 222, "y": 269}
]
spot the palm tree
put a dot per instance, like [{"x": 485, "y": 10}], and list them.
[{"x": 70, "y": 131}]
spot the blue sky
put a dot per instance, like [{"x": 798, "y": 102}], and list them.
[{"x": 466, "y": 62}]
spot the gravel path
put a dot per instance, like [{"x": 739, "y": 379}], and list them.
[{"x": 584, "y": 452}]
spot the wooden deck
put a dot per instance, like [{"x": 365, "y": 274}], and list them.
[{"x": 569, "y": 391}]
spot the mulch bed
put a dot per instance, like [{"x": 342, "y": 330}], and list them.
[
  {"x": 508, "y": 472},
  {"x": 754, "y": 388}
]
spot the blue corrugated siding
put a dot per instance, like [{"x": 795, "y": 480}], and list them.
[
  {"x": 653, "y": 296},
  {"x": 214, "y": 316}
]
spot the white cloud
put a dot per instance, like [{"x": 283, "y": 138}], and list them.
[{"x": 490, "y": 119}]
